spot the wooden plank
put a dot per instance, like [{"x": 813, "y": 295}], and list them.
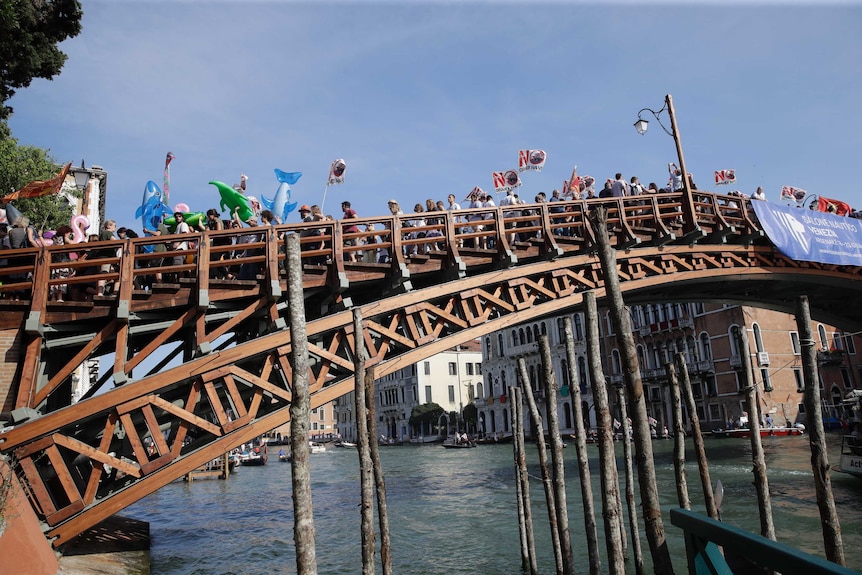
[
  {"x": 132, "y": 437},
  {"x": 186, "y": 415},
  {"x": 155, "y": 432},
  {"x": 230, "y": 386},
  {"x": 160, "y": 339},
  {"x": 262, "y": 383},
  {"x": 217, "y": 407},
  {"x": 36, "y": 487},
  {"x": 101, "y": 336},
  {"x": 64, "y": 513},
  {"x": 96, "y": 455},
  {"x": 63, "y": 475}
]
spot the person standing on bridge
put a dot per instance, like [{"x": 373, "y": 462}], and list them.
[
  {"x": 349, "y": 213},
  {"x": 619, "y": 187}
]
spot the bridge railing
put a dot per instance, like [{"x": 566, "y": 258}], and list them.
[{"x": 499, "y": 233}]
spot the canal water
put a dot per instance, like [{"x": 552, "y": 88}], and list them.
[{"x": 453, "y": 511}]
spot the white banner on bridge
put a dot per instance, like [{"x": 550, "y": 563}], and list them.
[{"x": 811, "y": 236}]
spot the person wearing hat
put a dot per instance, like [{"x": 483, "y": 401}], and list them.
[
  {"x": 305, "y": 213},
  {"x": 214, "y": 223}
]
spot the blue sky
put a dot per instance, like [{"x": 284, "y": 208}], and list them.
[{"x": 426, "y": 98}]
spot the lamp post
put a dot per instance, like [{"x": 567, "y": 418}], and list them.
[
  {"x": 82, "y": 177},
  {"x": 641, "y": 126}
]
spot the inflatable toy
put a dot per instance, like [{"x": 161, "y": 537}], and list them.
[
  {"x": 232, "y": 200},
  {"x": 280, "y": 205},
  {"x": 191, "y": 218},
  {"x": 80, "y": 224},
  {"x": 152, "y": 209}
]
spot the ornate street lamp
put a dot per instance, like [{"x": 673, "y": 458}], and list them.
[
  {"x": 82, "y": 177},
  {"x": 641, "y": 126}
]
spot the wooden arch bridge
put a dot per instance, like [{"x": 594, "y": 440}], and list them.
[{"x": 463, "y": 275}]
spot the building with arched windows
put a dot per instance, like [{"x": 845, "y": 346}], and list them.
[{"x": 706, "y": 334}]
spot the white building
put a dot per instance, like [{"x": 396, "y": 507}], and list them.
[{"x": 448, "y": 379}]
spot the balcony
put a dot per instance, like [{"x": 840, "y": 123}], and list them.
[
  {"x": 829, "y": 357},
  {"x": 666, "y": 326},
  {"x": 652, "y": 374},
  {"x": 702, "y": 366}
]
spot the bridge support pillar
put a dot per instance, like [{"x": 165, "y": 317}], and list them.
[{"x": 23, "y": 546}]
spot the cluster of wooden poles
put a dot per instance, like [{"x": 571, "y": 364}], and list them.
[{"x": 632, "y": 404}]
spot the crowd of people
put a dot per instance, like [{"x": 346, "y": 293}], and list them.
[{"x": 424, "y": 222}]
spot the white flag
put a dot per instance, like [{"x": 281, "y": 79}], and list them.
[
  {"x": 725, "y": 177},
  {"x": 505, "y": 181},
  {"x": 336, "y": 172},
  {"x": 531, "y": 160}
]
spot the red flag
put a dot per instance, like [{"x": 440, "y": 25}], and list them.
[
  {"x": 832, "y": 206},
  {"x": 40, "y": 187}
]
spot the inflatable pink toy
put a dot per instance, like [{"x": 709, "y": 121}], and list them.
[{"x": 80, "y": 224}]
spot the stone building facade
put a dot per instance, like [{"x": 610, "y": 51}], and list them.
[{"x": 706, "y": 333}]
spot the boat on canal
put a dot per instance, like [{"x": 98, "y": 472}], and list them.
[
  {"x": 797, "y": 429},
  {"x": 851, "y": 440},
  {"x": 255, "y": 455},
  {"x": 459, "y": 442}
]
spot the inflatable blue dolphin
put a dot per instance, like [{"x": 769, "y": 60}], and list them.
[
  {"x": 280, "y": 205},
  {"x": 152, "y": 209}
]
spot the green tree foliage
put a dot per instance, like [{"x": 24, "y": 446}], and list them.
[
  {"x": 20, "y": 165},
  {"x": 427, "y": 413},
  {"x": 29, "y": 33}
]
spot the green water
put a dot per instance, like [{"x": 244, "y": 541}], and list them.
[{"x": 453, "y": 511}]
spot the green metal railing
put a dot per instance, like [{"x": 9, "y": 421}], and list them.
[{"x": 704, "y": 536}]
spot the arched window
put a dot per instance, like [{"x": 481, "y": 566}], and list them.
[
  {"x": 488, "y": 349},
  {"x": 532, "y": 375},
  {"x": 634, "y": 314},
  {"x": 705, "y": 347},
  {"x": 661, "y": 312},
  {"x": 579, "y": 327},
  {"x": 515, "y": 339},
  {"x": 564, "y": 369},
  {"x": 543, "y": 329},
  {"x": 641, "y": 357},
  {"x": 616, "y": 365},
  {"x": 505, "y": 386},
  {"x": 824, "y": 341},
  {"x": 505, "y": 420},
  {"x": 650, "y": 309},
  {"x": 480, "y": 388},
  {"x": 567, "y": 415},
  {"x": 758, "y": 337},
  {"x": 500, "y": 345},
  {"x": 610, "y": 323},
  {"x": 691, "y": 349},
  {"x": 561, "y": 330},
  {"x": 529, "y": 336},
  {"x": 583, "y": 381},
  {"x": 734, "y": 343}
]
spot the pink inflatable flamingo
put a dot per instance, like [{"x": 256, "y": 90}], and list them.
[{"x": 80, "y": 224}]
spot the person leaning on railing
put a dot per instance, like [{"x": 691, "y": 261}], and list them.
[{"x": 214, "y": 223}]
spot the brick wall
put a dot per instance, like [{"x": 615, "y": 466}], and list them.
[{"x": 10, "y": 346}]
